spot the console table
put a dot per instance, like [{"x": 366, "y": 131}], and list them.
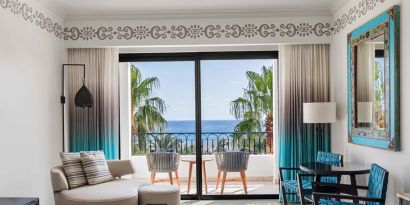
[
  {"x": 19, "y": 201},
  {"x": 403, "y": 197}
]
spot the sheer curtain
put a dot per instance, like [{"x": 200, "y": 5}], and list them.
[
  {"x": 96, "y": 128},
  {"x": 365, "y": 71},
  {"x": 303, "y": 77}
]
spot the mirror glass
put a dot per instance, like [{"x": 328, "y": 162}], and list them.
[{"x": 370, "y": 88}]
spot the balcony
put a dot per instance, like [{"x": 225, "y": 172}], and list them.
[{"x": 261, "y": 165}]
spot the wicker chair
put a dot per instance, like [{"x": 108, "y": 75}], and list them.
[
  {"x": 163, "y": 162},
  {"x": 232, "y": 161}
]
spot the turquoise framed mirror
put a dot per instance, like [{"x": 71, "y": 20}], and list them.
[{"x": 373, "y": 52}]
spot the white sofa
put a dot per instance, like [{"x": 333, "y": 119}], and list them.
[{"x": 117, "y": 192}]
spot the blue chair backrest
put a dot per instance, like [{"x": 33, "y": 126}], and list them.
[
  {"x": 378, "y": 180},
  {"x": 330, "y": 158}
]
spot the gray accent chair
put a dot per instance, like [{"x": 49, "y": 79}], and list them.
[
  {"x": 163, "y": 162},
  {"x": 119, "y": 191},
  {"x": 232, "y": 161}
]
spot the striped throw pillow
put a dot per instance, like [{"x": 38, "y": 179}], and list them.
[
  {"x": 95, "y": 167},
  {"x": 73, "y": 169}
]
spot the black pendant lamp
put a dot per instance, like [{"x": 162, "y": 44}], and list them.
[{"x": 83, "y": 98}]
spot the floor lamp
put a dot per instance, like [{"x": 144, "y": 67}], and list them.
[
  {"x": 83, "y": 98},
  {"x": 319, "y": 113}
]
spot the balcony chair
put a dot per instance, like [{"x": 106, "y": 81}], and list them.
[
  {"x": 163, "y": 162},
  {"x": 376, "y": 190},
  {"x": 232, "y": 161},
  {"x": 302, "y": 186}
]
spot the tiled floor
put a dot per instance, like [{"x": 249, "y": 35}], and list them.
[
  {"x": 235, "y": 188},
  {"x": 235, "y": 202}
]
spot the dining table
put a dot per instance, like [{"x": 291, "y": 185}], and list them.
[{"x": 350, "y": 169}]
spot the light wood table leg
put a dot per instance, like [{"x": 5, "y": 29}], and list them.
[
  {"x": 217, "y": 179},
  {"x": 170, "y": 178},
  {"x": 190, "y": 176},
  {"x": 153, "y": 177},
  {"x": 177, "y": 176},
  {"x": 223, "y": 182},
  {"x": 243, "y": 178},
  {"x": 205, "y": 178}
]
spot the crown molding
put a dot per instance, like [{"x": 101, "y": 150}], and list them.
[
  {"x": 198, "y": 14},
  {"x": 337, "y": 5},
  {"x": 139, "y": 32}
]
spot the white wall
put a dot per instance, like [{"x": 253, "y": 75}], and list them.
[
  {"x": 125, "y": 114},
  {"x": 30, "y": 111},
  {"x": 398, "y": 163}
]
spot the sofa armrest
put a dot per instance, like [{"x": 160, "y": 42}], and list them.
[
  {"x": 58, "y": 179},
  {"x": 120, "y": 168}
]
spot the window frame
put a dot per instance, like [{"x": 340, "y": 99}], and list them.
[{"x": 197, "y": 57}]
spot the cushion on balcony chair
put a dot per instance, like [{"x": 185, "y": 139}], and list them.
[
  {"x": 331, "y": 202},
  {"x": 292, "y": 185}
]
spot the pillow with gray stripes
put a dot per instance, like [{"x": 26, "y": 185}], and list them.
[
  {"x": 73, "y": 169},
  {"x": 95, "y": 167}
]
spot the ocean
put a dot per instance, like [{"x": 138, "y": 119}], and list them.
[{"x": 207, "y": 126}]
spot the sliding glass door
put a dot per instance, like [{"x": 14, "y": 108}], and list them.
[
  {"x": 210, "y": 117},
  {"x": 237, "y": 125},
  {"x": 163, "y": 121}
]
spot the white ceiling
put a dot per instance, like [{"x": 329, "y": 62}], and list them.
[{"x": 73, "y": 8}]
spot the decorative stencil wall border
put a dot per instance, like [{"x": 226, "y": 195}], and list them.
[
  {"x": 198, "y": 31},
  {"x": 33, "y": 16},
  {"x": 355, "y": 13},
  {"x": 188, "y": 31}
]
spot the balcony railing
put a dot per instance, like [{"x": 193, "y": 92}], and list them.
[{"x": 185, "y": 143}]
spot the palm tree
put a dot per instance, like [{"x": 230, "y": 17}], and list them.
[
  {"x": 146, "y": 110},
  {"x": 255, "y": 107}
]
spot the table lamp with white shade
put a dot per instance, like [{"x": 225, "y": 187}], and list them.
[
  {"x": 364, "y": 112},
  {"x": 319, "y": 113}
]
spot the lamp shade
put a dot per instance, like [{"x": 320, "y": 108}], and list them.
[
  {"x": 319, "y": 112},
  {"x": 83, "y": 98},
  {"x": 364, "y": 112}
]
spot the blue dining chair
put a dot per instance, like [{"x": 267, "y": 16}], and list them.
[
  {"x": 302, "y": 186},
  {"x": 376, "y": 190}
]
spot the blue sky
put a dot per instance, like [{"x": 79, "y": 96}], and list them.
[{"x": 222, "y": 81}]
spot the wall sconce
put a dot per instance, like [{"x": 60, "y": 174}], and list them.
[{"x": 83, "y": 98}]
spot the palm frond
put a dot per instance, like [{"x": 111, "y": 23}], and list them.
[
  {"x": 147, "y": 111},
  {"x": 256, "y": 102}
]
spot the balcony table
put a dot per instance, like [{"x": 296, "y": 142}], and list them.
[
  {"x": 348, "y": 168},
  {"x": 192, "y": 161}
]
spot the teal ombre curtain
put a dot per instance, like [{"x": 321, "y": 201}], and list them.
[
  {"x": 303, "y": 77},
  {"x": 96, "y": 128}
]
